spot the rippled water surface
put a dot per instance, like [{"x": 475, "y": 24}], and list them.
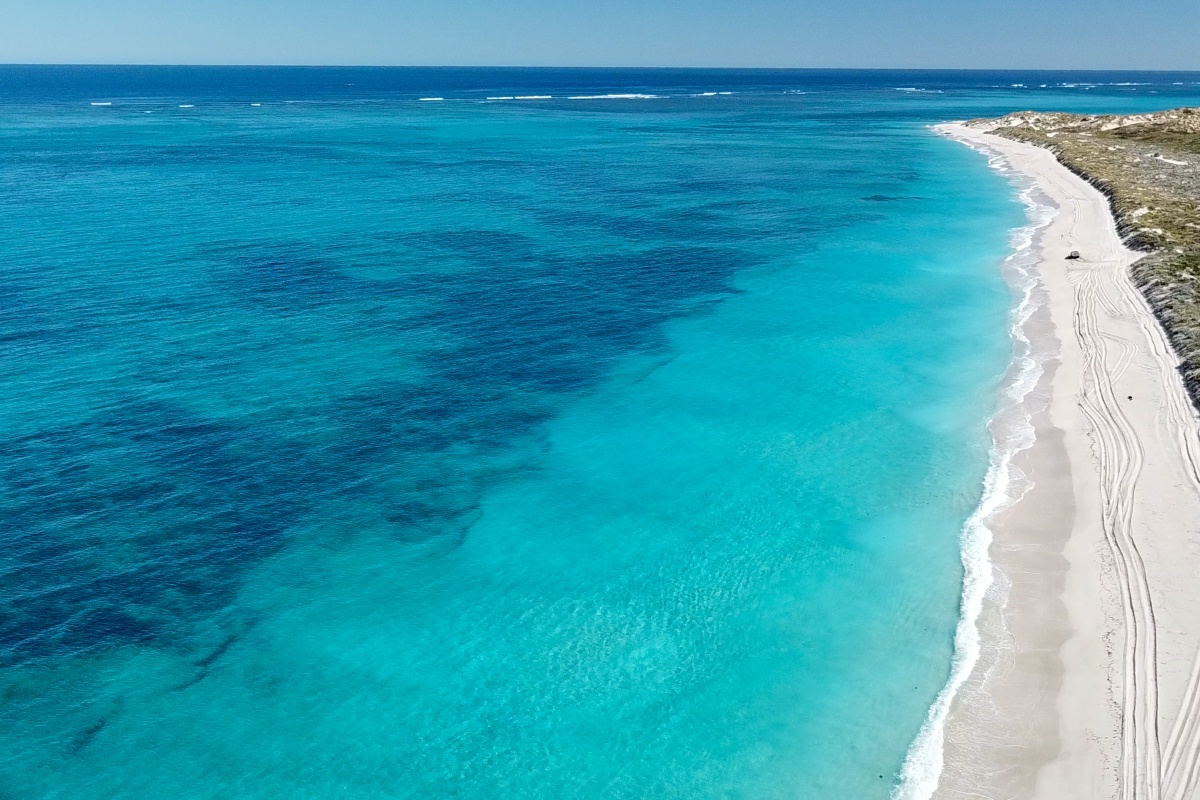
[{"x": 354, "y": 445}]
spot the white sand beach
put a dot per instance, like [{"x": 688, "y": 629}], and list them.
[{"x": 1088, "y": 683}]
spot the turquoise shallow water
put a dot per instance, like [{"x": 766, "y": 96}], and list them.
[{"x": 358, "y": 446}]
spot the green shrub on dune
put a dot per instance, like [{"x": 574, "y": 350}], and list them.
[{"x": 1149, "y": 166}]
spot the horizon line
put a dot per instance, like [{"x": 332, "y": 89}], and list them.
[{"x": 584, "y": 67}]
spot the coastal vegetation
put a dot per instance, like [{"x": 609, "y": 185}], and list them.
[{"x": 1149, "y": 167}]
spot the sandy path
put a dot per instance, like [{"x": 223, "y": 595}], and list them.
[{"x": 1089, "y": 683}]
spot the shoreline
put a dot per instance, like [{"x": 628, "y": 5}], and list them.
[
  {"x": 1012, "y": 433},
  {"x": 1075, "y": 635}
]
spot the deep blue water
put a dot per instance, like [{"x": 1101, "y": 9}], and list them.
[{"x": 354, "y": 445}]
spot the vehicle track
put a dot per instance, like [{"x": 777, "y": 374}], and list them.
[
  {"x": 1181, "y": 753},
  {"x": 1120, "y": 457},
  {"x": 1180, "y": 756}
]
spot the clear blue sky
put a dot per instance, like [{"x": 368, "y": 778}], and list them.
[{"x": 1084, "y": 34}]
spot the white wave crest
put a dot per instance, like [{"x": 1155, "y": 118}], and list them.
[{"x": 615, "y": 97}]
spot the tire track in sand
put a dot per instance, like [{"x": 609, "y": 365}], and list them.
[
  {"x": 1181, "y": 753},
  {"x": 1120, "y": 456}
]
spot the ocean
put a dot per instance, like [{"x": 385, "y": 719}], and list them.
[{"x": 468, "y": 433}]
